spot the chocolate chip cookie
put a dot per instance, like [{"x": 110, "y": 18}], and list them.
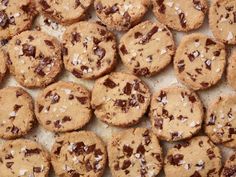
[
  {"x": 220, "y": 123},
  {"x": 24, "y": 158},
  {"x": 229, "y": 167},
  {"x": 198, "y": 157},
  {"x": 63, "y": 106},
  {"x": 231, "y": 70},
  {"x": 199, "y": 61},
  {"x": 180, "y": 15},
  {"x": 121, "y": 14},
  {"x": 34, "y": 58},
  {"x": 176, "y": 113},
  {"x": 135, "y": 152},
  {"x": 16, "y": 112},
  {"x": 120, "y": 99},
  {"x": 3, "y": 65},
  {"x": 147, "y": 48},
  {"x": 64, "y": 11},
  {"x": 222, "y": 19},
  {"x": 15, "y": 16},
  {"x": 89, "y": 50},
  {"x": 79, "y": 154}
]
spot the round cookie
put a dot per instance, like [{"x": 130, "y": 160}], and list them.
[
  {"x": 24, "y": 158},
  {"x": 16, "y": 112},
  {"x": 220, "y": 123},
  {"x": 89, "y": 50},
  {"x": 195, "y": 158},
  {"x": 121, "y": 14},
  {"x": 176, "y": 113},
  {"x": 231, "y": 72},
  {"x": 135, "y": 152},
  {"x": 79, "y": 153},
  {"x": 34, "y": 58},
  {"x": 229, "y": 169},
  {"x": 64, "y": 11},
  {"x": 63, "y": 106},
  {"x": 3, "y": 65},
  {"x": 222, "y": 20},
  {"x": 120, "y": 99},
  {"x": 180, "y": 15},
  {"x": 15, "y": 17},
  {"x": 199, "y": 61},
  {"x": 147, "y": 48}
]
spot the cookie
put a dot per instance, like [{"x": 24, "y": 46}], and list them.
[
  {"x": 231, "y": 72},
  {"x": 180, "y": 15},
  {"x": 16, "y": 112},
  {"x": 89, "y": 50},
  {"x": 198, "y": 157},
  {"x": 135, "y": 152},
  {"x": 63, "y": 106},
  {"x": 64, "y": 11},
  {"x": 120, "y": 99},
  {"x": 34, "y": 58},
  {"x": 199, "y": 61},
  {"x": 15, "y": 16},
  {"x": 79, "y": 154},
  {"x": 3, "y": 65},
  {"x": 229, "y": 169},
  {"x": 176, "y": 113},
  {"x": 24, "y": 158},
  {"x": 147, "y": 48},
  {"x": 220, "y": 123},
  {"x": 121, "y": 15},
  {"x": 222, "y": 20}
]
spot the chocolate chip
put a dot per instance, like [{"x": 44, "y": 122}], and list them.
[
  {"x": 127, "y": 89},
  {"x": 90, "y": 148},
  {"x": 211, "y": 172},
  {"x": 158, "y": 123},
  {"x": 192, "y": 56},
  {"x": 77, "y": 73},
  {"x": 29, "y": 50},
  {"x": 141, "y": 149},
  {"x": 44, "y": 4},
  {"x": 40, "y": 108},
  {"x": 182, "y": 19},
  {"x": 128, "y": 151},
  {"x": 17, "y": 107},
  {"x": 9, "y": 164},
  {"x": 229, "y": 171},
  {"x": 57, "y": 151},
  {"x": 55, "y": 98},
  {"x": 109, "y": 83},
  {"x": 210, "y": 42},
  {"x": 30, "y": 152},
  {"x": 208, "y": 64},
  {"x": 5, "y": 2},
  {"x": 196, "y": 174},
  {"x": 123, "y": 50},
  {"x": 181, "y": 66},
  {"x": 100, "y": 52},
  {"x": 137, "y": 35},
  {"x": 162, "y": 6},
  {"x": 64, "y": 51},
  {"x": 37, "y": 169},
  {"x": 66, "y": 119},
  {"x": 77, "y": 3},
  {"x": 75, "y": 37},
  {"x": 216, "y": 53},
  {"x": 212, "y": 120},
  {"x": 204, "y": 84},
  {"x": 9, "y": 156},
  {"x": 141, "y": 98},
  {"x": 111, "y": 10},
  {"x": 127, "y": 18},
  {"x": 198, "y": 5},
  {"x": 4, "y": 21},
  {"x": 82, "y": 100},
  {"x": 142, "y": 72},
  {"x": 121, "y": 103},
  {"x": 99, "y": 7},
  {"x": 232, "y": 131},
  {"x": 15, "y": 130},
  {"x": 234, "y": 17},
  {"x": 28, "y": 9},
  {"x": 145, "y": 39},
  {"x": 126, "y": 164},
  {"x": 175, "y": 159},
  {"x": 210, "y": 154},
  {"x": 49, "y": 43},
  {"x": 88, "y": 166}
]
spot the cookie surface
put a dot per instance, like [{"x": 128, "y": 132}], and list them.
[
  {"x": 199, "y": 61},
  {"x": 222, "y": 20},
  {"x": 229, "y": 167},
  {"x": 64, "y": 11},
  {"x": 121, "y": 14},
  {"x": 79, "y": 153},
  {"x": 3, "y": 65},
  {"x": 90, "y": 50},
  {"x": 147, "y": 48},
  {"x": 16, "y": 16},
  {"x": 16, "y": 112},
  {"x": 231, "y": 72},
  {"x": 63, "y": 106},
  {"x": 195, "y": 158},
  {"x": 220, "y": 124},
  {"x": 34, "y": 58},
  {"x": 135, "y": 152},
  {"x": 180, "y": 15},
  {"x": 120, "y": 99},
  {"x": 24, "y": 158},
  {"x": 176, "y": 113}
]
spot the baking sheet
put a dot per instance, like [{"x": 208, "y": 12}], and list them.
[{"x": 163, "y": 79}]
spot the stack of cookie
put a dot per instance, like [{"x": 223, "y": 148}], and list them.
[{"x": 90, "y": 50}]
